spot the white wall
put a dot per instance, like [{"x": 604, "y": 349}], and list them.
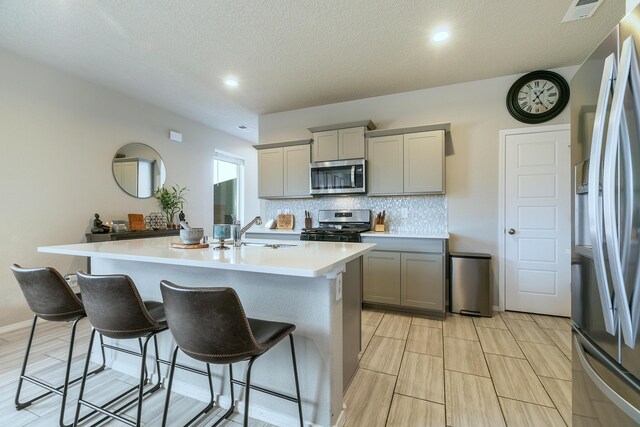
[
  {"x": 58, "y": 136},
  {"x": 476, "y": 111},
  {"x": 631, "y": 4}
]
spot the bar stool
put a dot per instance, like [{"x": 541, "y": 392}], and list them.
[
  {"x": 49, "y": 297},
  {"x": 209, "y": 325},
  {"x": 115, "y": 310}
]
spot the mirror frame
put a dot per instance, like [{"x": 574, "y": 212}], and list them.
[{"x": 155, "y": 156}]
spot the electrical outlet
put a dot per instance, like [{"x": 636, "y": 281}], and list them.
[
  {"x": 404, "y": 213},
  {"x": 339, "y": 287}
]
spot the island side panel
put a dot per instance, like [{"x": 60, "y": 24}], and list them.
[{"x": 309, "y": 303}]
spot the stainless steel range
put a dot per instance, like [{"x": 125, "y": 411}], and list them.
[{"x": 339, "y": 226}]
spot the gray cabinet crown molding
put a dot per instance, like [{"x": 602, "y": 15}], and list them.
[
  {"x": 401, "y": 131},
  {"x": 364, "y": 123},
  {"x": 282, "y": 144}
]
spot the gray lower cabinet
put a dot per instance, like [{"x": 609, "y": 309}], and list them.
[
  {"x": 381, "y": 281},
  {"x": 406, "y": 273},
  {"x": 422, "y": 281}
]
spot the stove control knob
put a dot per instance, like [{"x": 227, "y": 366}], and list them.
[{"x": 344, "y": 238}]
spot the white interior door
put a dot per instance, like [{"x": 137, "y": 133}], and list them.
[{"x": 538, "y": 222}]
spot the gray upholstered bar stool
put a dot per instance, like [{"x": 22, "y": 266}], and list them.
[
  {"x": 116, "y": 310},
  {"x": 209, "y": 325},
  {"x": 49, "y": 297}
]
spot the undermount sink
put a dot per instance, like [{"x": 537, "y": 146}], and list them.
[{"x": 267, "y": 245}]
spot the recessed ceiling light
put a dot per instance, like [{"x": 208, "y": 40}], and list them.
[
  {"x": 231, "y": 82},
  {"x": 440, "y": 36}
]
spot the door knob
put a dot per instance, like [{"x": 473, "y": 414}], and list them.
[{"x": 511, "y": 231}]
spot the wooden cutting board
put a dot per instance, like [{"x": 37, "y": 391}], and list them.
[
  {"x": 183, "y": 246},
  {"x": 136, "y": 222},
  {"x": 285, "y": 222}
]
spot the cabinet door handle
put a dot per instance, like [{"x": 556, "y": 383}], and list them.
[{"x": 511, "y": 231}]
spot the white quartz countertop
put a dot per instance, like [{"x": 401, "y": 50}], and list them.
[
  {"x": 276, "y": 232},
  {"x": 293, "y": 258},
  {"x": 405, "y": 235},
  {"x": 273, "y": 231}
]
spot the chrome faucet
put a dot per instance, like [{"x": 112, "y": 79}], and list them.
[{"x": 257, "y": 221}]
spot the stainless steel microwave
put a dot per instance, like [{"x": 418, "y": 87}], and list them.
[{"x": 338, "y": 177}]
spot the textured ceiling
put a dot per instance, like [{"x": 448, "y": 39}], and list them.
[{"x": 290, "y": 54}]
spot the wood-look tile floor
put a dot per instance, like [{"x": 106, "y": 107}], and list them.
[{"x": 511, "y": 370}]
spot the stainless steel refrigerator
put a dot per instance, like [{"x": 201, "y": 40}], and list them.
[{"x": 605, "y": 275}]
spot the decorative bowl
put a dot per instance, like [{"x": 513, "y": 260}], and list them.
[{"x": 191, "y": 236}]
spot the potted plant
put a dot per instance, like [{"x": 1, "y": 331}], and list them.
[{"x": 171, "y": 201}]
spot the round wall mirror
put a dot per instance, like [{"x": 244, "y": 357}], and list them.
[{"x": 138, "y": 169}]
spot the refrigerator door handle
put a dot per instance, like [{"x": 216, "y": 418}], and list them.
[
  {"x": 628, "y": 70},
  {"x": 614, "y": 397},
  {"x": 593, "y": 195}
]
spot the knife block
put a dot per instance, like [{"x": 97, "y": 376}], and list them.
[
  {"x": 308, "y": 223},
  {"x": 378, "y": 227}
]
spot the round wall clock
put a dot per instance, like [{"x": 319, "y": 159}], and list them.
[{"x": 538, "y": 96}]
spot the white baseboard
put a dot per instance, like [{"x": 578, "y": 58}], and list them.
[
  {"x": 15, "y": 326},
  {"x": 496, "y": 308}
]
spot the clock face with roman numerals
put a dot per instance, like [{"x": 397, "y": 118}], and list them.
[{"x": 538, "y": 96}]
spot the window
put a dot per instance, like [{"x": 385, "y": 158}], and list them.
[{"x": 228, "y": 172}]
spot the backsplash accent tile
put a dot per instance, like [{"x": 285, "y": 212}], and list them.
[{"x": 426, "y": 214}]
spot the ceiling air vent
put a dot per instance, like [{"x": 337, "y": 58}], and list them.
[{"x": 581, "y": 9}]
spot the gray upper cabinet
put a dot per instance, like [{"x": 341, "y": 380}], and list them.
[
  {"x": 422, "y": 281},
  {"x": 424, "y": 162},
  {"x": 351, "y": 143},
  {"x": 296, "y": 170},
  {"x": 270, "y": 173},
  {"x": 385, "y": 165},
  {"x": 339, "y": 144},
  {"x": 412, "y": 163},
  {"x": 325, "y": 146},
  {"x": 283, "y": 169}
]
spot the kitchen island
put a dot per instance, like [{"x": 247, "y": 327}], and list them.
[{"x": 297, "y": 282}]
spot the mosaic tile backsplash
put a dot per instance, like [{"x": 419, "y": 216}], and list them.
[{"x": 424, "y": 214}]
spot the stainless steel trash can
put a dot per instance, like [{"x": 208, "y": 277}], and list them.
[{"x": 471, "y": 290}]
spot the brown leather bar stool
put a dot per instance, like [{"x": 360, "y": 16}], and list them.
[
  {"x": 49, "y": 297},
  {"x": 209, "y": 325},
  {"x": 116, "y": 310}
]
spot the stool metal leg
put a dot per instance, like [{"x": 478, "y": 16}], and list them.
[
  {"x": 295, "y": 375},
  {"x": 84, "y": 378},
  {"x": 247, "y": 390},
  {"x": 172, "y": 369},
  {"x": 138, "y": 388},
  {"x": 61, "y": 390},
  {"x": 20, "y": 405},
  {"x": 170, "y": 385}
]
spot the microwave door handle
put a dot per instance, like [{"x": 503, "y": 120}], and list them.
[
  {"x": 593, "y": 195},
  {"x": 353, "y": 176},
  {"x": 628, "y": 64}
]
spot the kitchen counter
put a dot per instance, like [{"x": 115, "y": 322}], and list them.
[
  {"x": 402, "y": 235},
  {"x": 300, "y": 284},
  {"x": 274, "y": 231},
  {"x": 304, "y": 259}
]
